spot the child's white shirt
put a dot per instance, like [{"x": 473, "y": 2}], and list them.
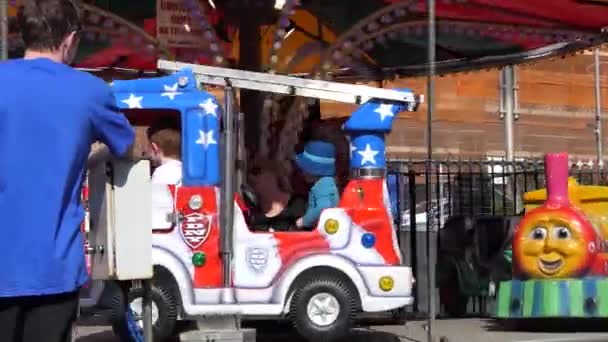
[{"x": 169, "y": 172}]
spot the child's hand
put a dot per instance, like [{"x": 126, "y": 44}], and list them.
[{"x": 300, "y": 223}]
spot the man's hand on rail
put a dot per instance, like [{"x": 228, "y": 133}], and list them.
[{"x": 100, "y": 153}]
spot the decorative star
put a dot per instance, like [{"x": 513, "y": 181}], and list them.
[
  {"x": 171, "y": 91},
  {"x": 368, "y": 155},
  {"x": 206, "y": 138},
  {"x": 352, "y": 148},
  {"x": 385, "y": 110},
  {"x": 133, "y": 101},
  {"x": 210, "y": 107}
]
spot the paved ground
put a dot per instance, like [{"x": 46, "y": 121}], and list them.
[
  {"x": 463, "y": 330},
  {"x": 481, "y": 330}
]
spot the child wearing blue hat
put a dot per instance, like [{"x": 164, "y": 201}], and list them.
[{"x": 318, "y": 163}]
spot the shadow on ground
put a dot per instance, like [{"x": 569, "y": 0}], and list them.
[
  {"x": 357, "y": 336},
  {"x": 105, "y": 336},
  {"x": 557, "y": 325},
  {"x": 266, "y": 331}
]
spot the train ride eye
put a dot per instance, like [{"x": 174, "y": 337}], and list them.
[
  {"x": 562, "y": 233},
  {"x": 539, "y": 233}
]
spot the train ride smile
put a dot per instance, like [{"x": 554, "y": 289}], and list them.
[
  {"x": 552, "y": 247},
  {"x": 550, "y": 266}
]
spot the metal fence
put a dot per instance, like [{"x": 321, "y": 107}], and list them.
[{"x": 457, "y": 187}]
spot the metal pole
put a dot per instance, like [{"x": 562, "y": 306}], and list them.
[
  {"x": 598, "y": 114},
  {"x": 250, "y": 58},
  {"x": 147, "y": 310},
  {"x": 3, "y": 29},
  {"x": 430, "y": 249},
  {"x": 508, "y": 90},
  {"x": 241, "y": 156},
  {"x": 227, "y": 196}
]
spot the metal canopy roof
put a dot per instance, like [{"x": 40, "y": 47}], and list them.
[
  {"x": 471, "y": 34},
  {"x": 379, "y": 39}
]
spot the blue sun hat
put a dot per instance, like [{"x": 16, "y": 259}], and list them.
[{"x": 318, "y": 159}]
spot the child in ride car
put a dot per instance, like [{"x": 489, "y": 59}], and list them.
[
  {"x": 317, "y": 162},
  {"x": 165, "y": 145},
  {"x": 276, "y": 208}
]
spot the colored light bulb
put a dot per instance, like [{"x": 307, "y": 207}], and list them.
[
  {"x": 386, "y": 283},
  {"x": 331, "y": 226},
  {"x": 368, "y": 240},
  {"x": 199, "y": 259}
]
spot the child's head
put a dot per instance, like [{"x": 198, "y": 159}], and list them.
[
  {"x": 263, "y": 175},
  {"x": 317, "y": 160},
  {"x": 165, "y": 140}
]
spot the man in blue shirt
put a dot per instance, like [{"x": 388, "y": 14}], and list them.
[{"x": 50, "y": 114}]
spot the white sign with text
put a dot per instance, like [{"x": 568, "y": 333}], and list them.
[{"x": 174, "y": 25}]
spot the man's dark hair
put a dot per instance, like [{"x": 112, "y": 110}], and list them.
[{"x": 45, "y": 24}]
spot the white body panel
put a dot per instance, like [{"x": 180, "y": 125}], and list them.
[
  {"x": 120, "y": 235},
  {"x": 262, "y": 291}
]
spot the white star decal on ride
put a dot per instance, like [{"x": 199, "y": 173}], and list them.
[
  {"x": 133, "y": 101},
  {"x": 210, "y": 107},
  {"x": 171, "y": 91},
  {"x": 352, "y": 149},
  {"x": 368, "y": 155},
  {"x": 206, "y": 138},
  {"x": 385, "y": 110}
]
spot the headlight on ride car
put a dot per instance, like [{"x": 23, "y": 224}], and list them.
[
  {"x": 331, "y": 226},
  {"x": 386, "y": 283},
  {"x": 195, "y": 202}
]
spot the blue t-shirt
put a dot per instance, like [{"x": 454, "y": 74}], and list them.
[{"x": 50, "y": 114}]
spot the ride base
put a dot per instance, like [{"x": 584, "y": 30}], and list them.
[
  {"x": 553, "y": 298},
  {"x": 219, "y": 329}
]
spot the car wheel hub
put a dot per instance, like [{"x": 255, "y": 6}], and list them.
[{"x": 323, "y": 309}]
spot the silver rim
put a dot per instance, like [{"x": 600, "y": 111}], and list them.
[
  {"x": 138, "y": 312},
  {"x": 323, "y": 309}
]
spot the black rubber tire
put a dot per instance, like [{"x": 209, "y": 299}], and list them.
[
  {"x": 164, "y": 326},
  {"x": 324, "y": 284}
]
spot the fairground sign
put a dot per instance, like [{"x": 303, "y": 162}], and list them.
[{"x": 174, "y": 26}]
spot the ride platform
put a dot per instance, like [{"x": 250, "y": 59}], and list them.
[{"x": 553, "y": 298}]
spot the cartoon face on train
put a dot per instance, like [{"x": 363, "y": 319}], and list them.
[{"x": 557, "y": 242}]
